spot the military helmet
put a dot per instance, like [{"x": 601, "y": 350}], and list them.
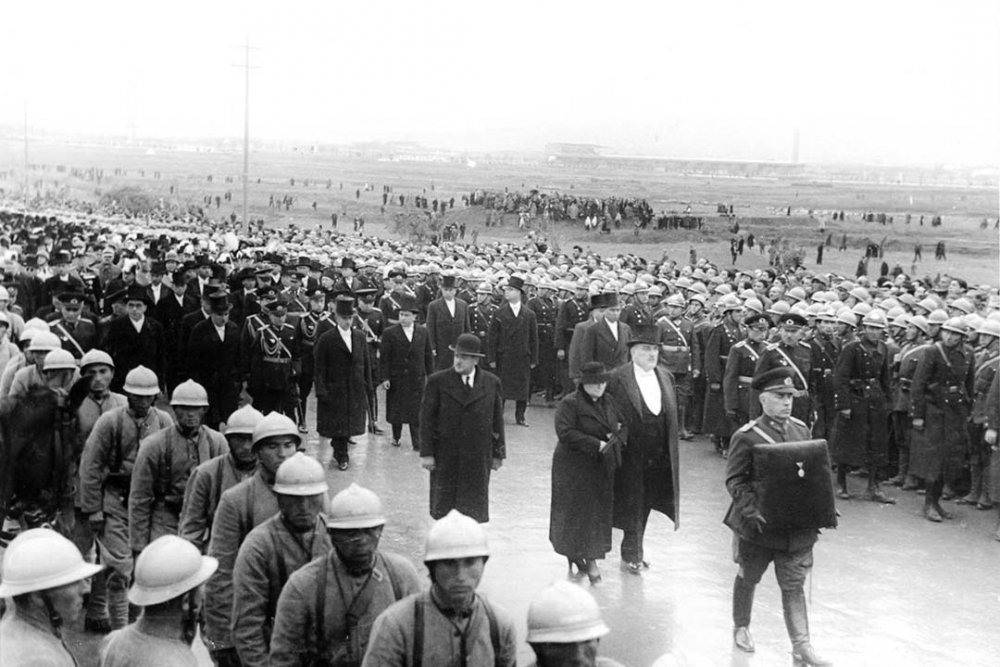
[
  {"x": 937, "y": 316},
  {"x": 355, "y": 507},
  {"x": 963, "y": 305},
  {"x": 564, "y": 614},
  {"x": 989, "y": 328},
  {"x": 95, "y": 356},
  {"x": 955, "y": 325},
  {"x": 272, "y": 425},
  {"x": 167, "y": 568},
  {"x": 847, "y": 316},
  {"x": 44, "y": 341},
  {"x": 300, "y": 475},
  {"x": 141, "y": 381},
  {"x": 675, "y": 300},
  {"x": 875, "y": 318},
  {"x": 39, "y": 559},
  {"x": 59, "y": 360},
  {"x": 189, "y": 394},
  {"x": 920, "y": 322},
  {"x": 243, "y": 421},
  {"x": 455, "y": 536}
]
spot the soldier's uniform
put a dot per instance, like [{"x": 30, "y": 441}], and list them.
[
  {"x": 372, "y": 324},
  {"x": 267, "y": 557},
  {"x": 546, "y": 373},
  {"x": 77, "y": 338},
  {"x": 201, "y": 497},
  {"x": 703, "y": 328},
  {"x": 798, "y": 357},
  {"x": 308, "y": 329},
  {"x": 159, "y": 478},
  {"x": 571, "y": 312},
  {"x": 904, "y": 369},
  {"x": 824, "y": 351},
  {"x": 987, "y": 366},
  {"x": 721, "y": 340},
  {"x": 633, "y": 314},
  {"x": 681, "y": 355},
  {"x": 272, "y": 361},
  {"x": 480, "y": 316},
  {"x": 736, "y": 390}
]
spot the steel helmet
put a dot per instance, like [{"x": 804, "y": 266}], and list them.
[
  {"x": 697, "y": 298},
  {"x": 168, "y": 567},
  {"x": 797, "y": 293},
  {"x": 243, "y": 421},
  {"x": 189, "y": 394},
  {"x": 300, "y": 475},
  {"x": 875, "y": 318},
  {"x": 888, "y": 304},
  {"x": 698, "y": 288},
  {"x": 754, "y": 304},
  {"x": 937, "y": 316},
  {"x": 4, "y": 294},
  {"x": 59, "y": 360},
  {"x": 779, "y": 308},
  {"x": 800, "y": 308},
  {"x": 955, "y": 325},
  {"x": 826, "y": 314},
  {"x": 846, "y": 316},
  {"x": 814, "y": 310},
  {"x": 902, "y": 321},
  {"x": 920, "y": 322},
  {"x": 355, "y": 507},
  {"x": 963, "y": 305},
  {"x": 973, "y": 322},
  {"x": 31, "y": 328},
  {"x": 44, "y": 341},
  {"x": 861, "y": 309},
  {"x": 990, "y": 328},
  {"x": 274, "y": 424},
  {"x": 675, "y": 300},
  {"x": 39, "y": 559},
  {"x": 995, "y": 315},
  {"x": 656, "y": 290},
  {"x": 455, "y": 536},
  {"x": 564, "y": 614},
  {"x": 860, "y": 293},
  {"x": 94, "y": 357},
  {"x": 929, "y": 304},
  {"x": 730, "y": 302},
  {"x": 894, "y": 312},
  {"x": 141, "y": 381}
]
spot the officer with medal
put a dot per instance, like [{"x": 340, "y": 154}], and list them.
[
  {"x": 789, "y": 352},
  {"x": 308, "y": 327},
  {"x": 756, "y": 543},
  {"x": 680, "y": 354},
  {"x": 272, "y": 362}
]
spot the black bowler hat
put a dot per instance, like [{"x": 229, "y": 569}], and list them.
[
  {"x": 593, "y": 372},
  {"x": 603, "y": 300},
  {"x": 347, "y": 263},
  {"x": 344, "y": 306},
  {"x": 180, "y": 277},
  {"x": 645, "y": 334},
  {"x": 780, "y": 380},
  {"x": 468, "y": 345},
  {"x": 516, "y": 282}
]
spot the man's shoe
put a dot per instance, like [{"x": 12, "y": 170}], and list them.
[
  {"x": 342, "y": 465},
  {"x": 943, "y": 513},
  {"x": 910, "y": 484},
  {"x": 632, "y": 568},
  {"x": 988, "y": 505},
  {"x": 843, "y": 494},
  {"x": 101, "y": 626},
  {"x": 875, "y": 494},
  {"x": 931, "y": 514},
  {"x": 804, "y": 655},
  {"x": 396, "y": 443},
  {"x": 376, "y": 430},
  {"x": 743, "y": 640},
  {"x": 521, "y": 422},
  {"x": 967, "y": 500},
  {"x": 897, "y": 480}
]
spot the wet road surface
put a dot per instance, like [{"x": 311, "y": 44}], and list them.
[{"x": 888, "y": 587}]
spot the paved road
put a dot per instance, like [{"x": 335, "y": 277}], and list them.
[{"x": 888, "y": 588}]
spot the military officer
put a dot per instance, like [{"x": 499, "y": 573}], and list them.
[
  {"x": 789, "y": 352},
  {"x": 308, "y": 330},
  {"x": 77, "y": 334},
  {"x": 638, "y": 312},
  {"x": 369, "y": 320},
  {"x": 272, "y": 361},
  {"x": 721, "y": 339},
  {"x": 547, "y": 371},
  {"x": 481, "y": 313},
  {"x": 914, "y": 345},
  {"x": 987, "y": 366},
  {"x": 824, "y": 348},
  {"x": 756, "y": 543},
  {"x": 740, "y": 365},
  {"x": 680, "y": 354}
]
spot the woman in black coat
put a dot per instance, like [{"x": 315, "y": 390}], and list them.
[{"x": 589, "y": 428}]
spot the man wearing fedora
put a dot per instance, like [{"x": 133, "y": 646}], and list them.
[
  {"x": 513, "y": 346},
  {"x": 462, "y": 433},
  {"x": 214, "y": 358},
  {"x": 405, "y": 363},
  {"x": 648, "y": 478},
  {"x": 135, "y": 340},
  {"x": 447, "y": 319}
]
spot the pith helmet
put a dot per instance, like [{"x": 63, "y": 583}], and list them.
[
  {"x": 300, "y": 475},
  {"x": 243, "y": 421},
  {"x": 141, "y": 381},
  {"x": 190, "y": 394},
  {"x": 456, "y": 536},
  {"x": 275, "y": 424},
  {"x": 39, "y": 559},
  {"x": 564, "y": 614},
  {"x": 44, "y": 341},
  {"x": 96, "y": 356},
  {"x": 59, "y": 360},
  {"x": 168, "y": 567},
  {"x": 355, "y": 507}
]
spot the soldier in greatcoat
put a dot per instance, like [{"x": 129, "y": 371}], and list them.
[
  {"x": 904, "y": 368},
  {"x": 343, "y": 376},
  {"x": 942, "y": 390},
  {"x": 481, "y": 313},
  {"x": 789, "y": 352},
  {"x": 214, "y": 358},
  {"x": 987, "y": 366},
  {"x": 272, "y": 361},
  {"x": 740, "y": 366},
  {"x": 680, "y": 354},
  {"x": 406, "y": 362},
  {"x": 825, "y": 348},
  {"x": 462, "y": 433},
  {"x": 546, "y": 308},
  {"x": 721, "y": 340},
  {"x": 513, "y": 347}
]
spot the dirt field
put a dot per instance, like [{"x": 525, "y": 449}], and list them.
[{"x": 759, "y": 204}]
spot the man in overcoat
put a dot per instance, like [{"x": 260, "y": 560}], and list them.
[
  {"x": 607, "y": 340},
  {"x": 721, "y": 339},
  {"x": 406, "y": 362},
  {"x": 513, "y": 347},
  {"x": 343, "y": 377},
  {"x": 447, "y": 319},
  {"x": 648, "y": 478},
  {"x": 214, "y": 358},
  {"x": 462, "y": 433},
  {"x": 135, "y": 340}
]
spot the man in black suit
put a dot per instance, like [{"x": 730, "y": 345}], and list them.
[
  {"x": 135, "y": 340},
  {"x": 61, "y": 279},
  {"x": 214, "y": 358},
  {"x": 447, "y": 319},
  {"x": 607, "y": 340},
  {"x": 170, "y": 312},
  {"x": 513, "y": 346},
  {"x": 406, "y": 361}
]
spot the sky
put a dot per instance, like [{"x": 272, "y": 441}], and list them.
[{"x": 881, "y": 81}]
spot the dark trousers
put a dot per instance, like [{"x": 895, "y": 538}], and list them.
[
  {"x": 519, "y": 408},
  {"x": 397, "y": 433},
  {"x": 305, "y": 386},
  {"x": 269, "y": 400},
  {"x": 632, "y": 541},
  {"x": 340, "y": 449}
]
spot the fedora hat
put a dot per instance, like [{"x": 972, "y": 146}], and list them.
[
  {"x": 645, "y": 334},
  {"x": 468, "y": 345},
  {"x": 593, "y": 372}
]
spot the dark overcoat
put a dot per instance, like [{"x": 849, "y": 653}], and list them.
[
  {"x": 599, "y": 344},
  {"x": 721, "y": 339},
  {"x": 513, "y": 347},
  {"x": 130, "y": 348},
  {"x": 463, "y": 430},
  {"x": 444, "y": 330},
  {"x": 632, "y": 495},
  {"x": 942, "y": 388},
  {"x": 343, "y": 380},
  {"x": 861, "y": 385},
  {"x": 170, "y": 314},
  {"x": 405, "y": 365},
  {"x": 215, "y": 365},
  {"x": 583, "y": 476}
]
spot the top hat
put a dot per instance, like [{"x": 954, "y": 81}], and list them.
[
  {"x": 593, "y": 372},
  {"x": 516, "y": 282},
  {"x": 603, "y": 300},
  {"x": 344, "y": 306},
  {"x": 468, "y": 345},
  {"x": 347, "y": 263},
  {"x": 60, "y": 257},
  {"x": 218, "y": 302},
  {"x": 408, "y": 303},
  {"x": 645, "y": 334},
  {"x": 137, "y": 293}
]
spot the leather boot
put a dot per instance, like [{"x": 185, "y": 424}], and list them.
[
  {"x": 976, "y": 488},
  {"x": 742, "y": 609},
  {"x": 793, "y": 603}
]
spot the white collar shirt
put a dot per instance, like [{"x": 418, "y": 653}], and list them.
[
  {"x": 451, "y": 306},
  {"x": 649, "y": 387},
  {"x": 221, "y": 331},
  {"x": 516, "y": 308},
  {"x": 137, "y": 323},
  {"x": 408, "y": 332},
  {"x": 346, "y": 337},
  {"x": 614, "y": 328},
  {"x": 470, "y": 379}
]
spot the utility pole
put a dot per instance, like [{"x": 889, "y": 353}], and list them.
[
  {"x": 27, "y": 174},
  {"x": 246, "y": 132}
]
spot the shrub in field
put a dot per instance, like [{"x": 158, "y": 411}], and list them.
[{"x": 128, "y": 199}]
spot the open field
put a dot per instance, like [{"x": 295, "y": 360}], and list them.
[{"x": 760, "y": 205}]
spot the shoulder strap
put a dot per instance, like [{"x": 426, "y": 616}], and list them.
[
  {"x": 217, "y": 490},
  {"x": 418, "y": 632},
  {"x": 491, "y": 618},
  {"x": 320, "y": 619},
  {"x": 759, "y": 431},
  {"x": 390, "y": 571},
  {"x": 777, "y": 348},
  {"x": 117, "y": 455}
]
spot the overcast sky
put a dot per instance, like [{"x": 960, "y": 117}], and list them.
[{"x": 892, "y": 82}]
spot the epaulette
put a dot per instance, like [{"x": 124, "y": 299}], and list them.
[
  {"x": 772, "y": 346},
  {"x": 804, "y": 344},
  {"x": 742, "y": 343},
  {"x": 797, "y": 421},
  {"x": 747, "y": 427},
  {"x": 88, "y": 321}
]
